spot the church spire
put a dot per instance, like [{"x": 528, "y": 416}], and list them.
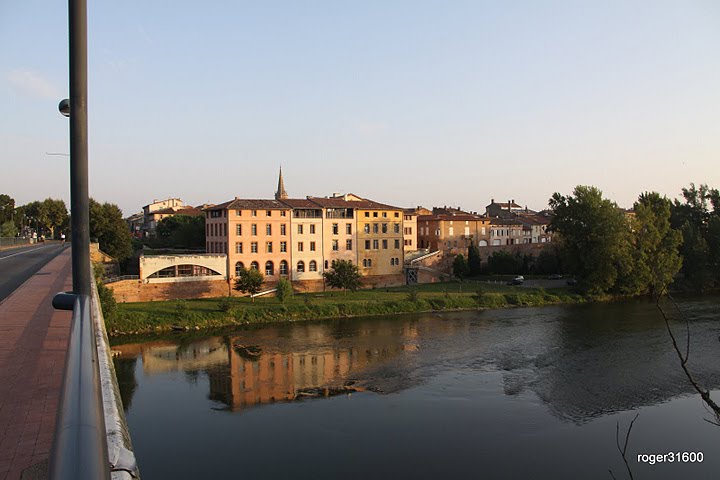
[{"x": 281, "y": 193}]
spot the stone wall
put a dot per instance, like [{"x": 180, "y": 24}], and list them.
[{"x": 137, "y": 291}]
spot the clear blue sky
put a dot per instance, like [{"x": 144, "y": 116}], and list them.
[{"x": 405, "y": 102}]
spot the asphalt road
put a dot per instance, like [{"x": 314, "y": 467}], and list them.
[{"x": 19, "y": 264}]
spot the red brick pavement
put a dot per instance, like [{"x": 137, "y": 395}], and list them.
[{"x": 33, "y": 343}]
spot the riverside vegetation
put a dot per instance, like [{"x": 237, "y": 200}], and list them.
[{"x": 226, "y": 311}]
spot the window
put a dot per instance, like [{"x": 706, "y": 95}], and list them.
[
  {"x": 384, "y": 228},
  {"x": 376, "y": 244},
  {"x": 384, "y": 244},
  {"x": 369, "y": 262},
  {"x": 283, "y": 213},
  {"x": 367, "y": 214},
  {"x": 335, "y": 228},
  {"x": 397, "y": 214},
  {"x": 238, "y": 213},
  {"x": 238, "y": 229},
  {"x": 374, "y": 214},
  {"x": 253, "y": 247},
  {"x": 268, "y": 247},
  {"x": 348, "y": 228},
  {"x": 254, "y": 266},
  {"x": 367, "y": 244},
  {"x": 367, "y": 228},
  {"x": 392, "y": 261},
  {"x": 215, "y": 213},
  {"x": 326, "y": 264},
  {"x": 384, "y": 214},
  {"x": 396, "y": 228},
  {"x": 239, "y": 268},
  {"x": 254, "y": 214},
  {"x": 268, "y": 213},
  {"x": 312, "y": 229},
  {"x": 268, "y": 229},
  {"x": 301, "y": 266},
  {"x": 283, "y": 267},
  {"x": 283, "y": 229},
  {"x": 300, "y": 229},
  {"x": 365, "y": 262},
  {"x": 269, "y": 268},
  {"x": 253, "y": 229},
  {"x": 376, "y": 228},
  {"x": 283, "y": 247},
  {"x": 300, "y": 246},
  {"x": 335, "y": 245},
  {"x": 397, "y": 243},
  {"x": 348, "y": 245},
  {"x": 238, "y": 247},
  {"x": 312, "y": 266},
  {"x": 312, "y": 246}
]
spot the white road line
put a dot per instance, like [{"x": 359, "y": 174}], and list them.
[{"x": 26, "y": 251}]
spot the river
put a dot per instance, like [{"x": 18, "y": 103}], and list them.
[{"x": 516, "y": 393}]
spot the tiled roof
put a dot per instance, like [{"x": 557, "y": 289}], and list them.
[
  {"x": 299, "y": 203},
  {"x": 505, "y": 221},
  {"x": 250, "y": 204},
  {"x": 340, "y": 202},
  {"x": 453, "y": 217}
]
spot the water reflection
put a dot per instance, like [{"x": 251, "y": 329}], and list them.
[
  {"x": 275, "y": 364},
  {"x": 582, "y": 361}
]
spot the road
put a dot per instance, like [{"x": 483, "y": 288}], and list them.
[{"x": 19, "y": 264}]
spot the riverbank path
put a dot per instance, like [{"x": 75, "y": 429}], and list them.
[{"x": 33, "y": 344}]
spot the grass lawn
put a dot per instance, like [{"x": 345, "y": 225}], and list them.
[{"x": 224, "y": 311}]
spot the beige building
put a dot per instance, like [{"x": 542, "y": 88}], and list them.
[
  {"x": 410, "y": 236},
  {"x": 306, "y": 231},
  {"x": 452, "y": 230}
]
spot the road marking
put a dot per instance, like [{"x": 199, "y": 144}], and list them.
[{"x": 26, "y": 251}]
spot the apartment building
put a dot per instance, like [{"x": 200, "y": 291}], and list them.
[{"x": 452, "y": 230}]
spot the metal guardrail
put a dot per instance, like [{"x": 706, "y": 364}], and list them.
[
  {"x": 80, "y": 446},
  {"x": 13, "y": 241},
  {"x": 120, "y": 278}
]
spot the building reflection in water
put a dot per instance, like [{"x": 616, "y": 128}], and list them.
[{"x": 252, "y": 368}]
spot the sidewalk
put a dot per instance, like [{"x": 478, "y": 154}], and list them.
[{"x": 33, "y": 343}]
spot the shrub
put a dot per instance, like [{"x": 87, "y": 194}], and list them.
[
  {"x": 224, "y": 304},
  {"x": 284, "y": 290},
  {"x": 412, "y": 296}
]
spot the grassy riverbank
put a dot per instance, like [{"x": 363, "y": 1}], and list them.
[{"x": 218, "y": 312}]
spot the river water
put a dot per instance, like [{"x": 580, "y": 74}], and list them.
[{"x": 518, "y": 393}]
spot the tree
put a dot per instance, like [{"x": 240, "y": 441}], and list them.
[
  {"x": 473, "y": 260},
  {"x": 548, "y": 261},
  {"x": 284, "y": 290},
  {"x": 185, "y": 231},
  {"x": 460, "y": 266},
  {"x": 699, "y": 220},
  {"x": 595, "y": 238},
  {"x": 655, "y": 254},
  {"x": 503, "y": 262},
  {"x": 249, "y": 280},
  {"x": 7, "y": 208},
  {"x": 48, "y": 215},
  {"x": 108, "y": 226},
  {"x": 343, "y": 274},
  {"x": 7, "y": 229}
]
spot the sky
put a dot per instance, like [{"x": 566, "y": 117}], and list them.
[{"x": 408, "y": 103}]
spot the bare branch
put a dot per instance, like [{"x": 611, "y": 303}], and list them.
[
  {"x": 623, "y": 450},
  {"x": 704, "y": 394}
]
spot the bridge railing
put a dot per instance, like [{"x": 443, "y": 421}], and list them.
[
  {"x": 80, "y": 446},
  {"x": 91, "y": 436}
]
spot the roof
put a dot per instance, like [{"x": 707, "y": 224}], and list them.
[
  {"x": 505, "y": 221},
  {"x": 250, "y": 204},
  {"x": 177, "y": 211},
  {"x": 453, "y": 217},
  {"x": 299, "y": 203},
  {"x": 346, "y": 201}
]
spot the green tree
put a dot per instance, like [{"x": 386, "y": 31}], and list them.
[
  {"x": 8, "y": 229},
  {"x": 343, "y": 274},
  {"x": 503, "y": 262},
  {"x": 473, "y": 260},
  {"x": 698, "y": 217},
  {"x": 595, "y": 238},
  {"x": 284, "y": 290},
  {"x": 108, "y": 226},
  {"x": 48, "y": 216},
  {"x": 183, "y": 231},
  {"x": 460, "y": 266},
  {"x": 7, "y": 208},
  {"x": 548, "y": 261},
  {"x": 249, "y": 280},
  {"x": 655, "y": 254}
]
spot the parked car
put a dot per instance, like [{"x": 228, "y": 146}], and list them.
[
  {"x": 554, "y": 276},
  {"x": 571, "y": 282},
  {"x": 519, "y": 280}
]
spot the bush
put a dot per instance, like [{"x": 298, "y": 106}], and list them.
[
  {"x": 180, "y": 310},
  {"x": 108, "y": 304},
  {"x": 224, "y": 304},
  {"x": 412, "y": 296},
  {"x": 284, "y": 290}
]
